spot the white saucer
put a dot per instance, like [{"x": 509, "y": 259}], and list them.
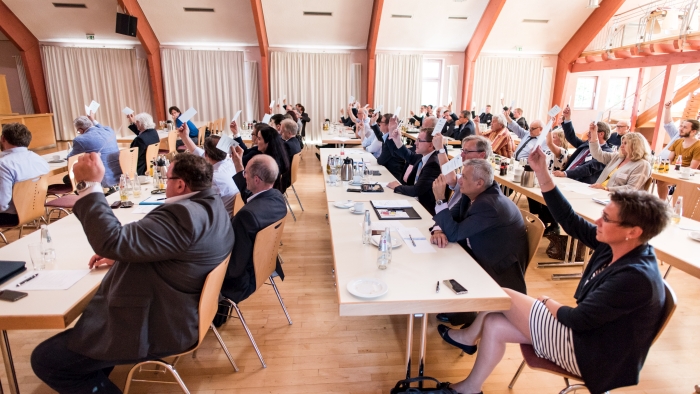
[
  {"x": 694, "y": 235},
  {"x": 57, "y": 161},
  {"x": 395, "y": 241},
  {"x": 352, "y": 210},
  {"x": 345, "y": 204},
  {"x": 367, "y": 288},
  {"x": 352, "y": 183}
]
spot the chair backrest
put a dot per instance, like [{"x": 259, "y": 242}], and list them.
[
  {"x": 267, "y": 245},
  {"x": 151, "y": 154},
  {"x": 202, "y": 134},
  {"x": 535, "y": 229},
  {"x": 29, "y": 197},
  {"x": 238, "y": 203},
  {"x": 647, "y": 184},
  {"x": 172, "y": 141},
  {"x": 669, "y": 308},
  {"x": 295, "y": 167},
  {"x": 71, "y": 162},
  {"x": 128, "y": 159},
  {"x": 209, "y": 300},
  {"x": 695, "y": 213}
]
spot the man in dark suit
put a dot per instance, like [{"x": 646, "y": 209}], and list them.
[
  {"x": 304, "y": 119},
  {"x": 464, "y": 126},
  {"x": 518, "y": 117},
  {"x": 450, "y": 124},
  {"x": 264, "y": 206},
  {"x": 388, "y": 157},
  {"x": 421, "y": 170},
  {"x": 142, "y": 125},
  {"x": 288, "y": 131},
  {"x": 483, "y": 221},
  {"x": 486, "y": 116},
  {"x": 147, "y": 306}
]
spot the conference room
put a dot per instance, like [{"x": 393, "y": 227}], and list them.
[{"x": 349, "y": 196}]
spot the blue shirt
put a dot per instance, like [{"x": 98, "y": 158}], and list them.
[
  {"x": 17, "y": 165},
  {"x": 194, "y": 131},
  {"x": 100, "y": 139},
  {"x": 526, "y": 144},
  {"x": 672, "y": 131}
]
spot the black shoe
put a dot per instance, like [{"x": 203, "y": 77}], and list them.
[
  {"x": 552, "y": 229},
  {"x": 443, "y": 317},
  {"x": 457, "y": 318},
  {"x": 443, "y": 330}
]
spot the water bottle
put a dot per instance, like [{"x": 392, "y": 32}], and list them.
[
  {"x": 677, "y": 211},
  {"x": 366, "y": 229},
  {"x": 384, "y": 250},
  {"x": 47, "y": 249}
]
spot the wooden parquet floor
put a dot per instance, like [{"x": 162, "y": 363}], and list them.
[{"x": 325, "y": 353}]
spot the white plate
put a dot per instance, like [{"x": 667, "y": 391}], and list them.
[
  {"x": 59, "y": 161},
  {"x": 395, "y": 241},
  {"x": 345, "y": 204},
  {"x": 695, "y": 235},
  {"x": 367, "y": 288},
  {"x": 352, "y": 210},
  {"x": 352, "y": 183}
]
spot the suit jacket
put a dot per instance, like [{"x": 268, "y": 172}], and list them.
[
  {"x": 590, "y": 170},
  {"x": 304, "y": 120},
  {"x": 486, "y": 118},
  {"x": 448, "y": 129},
  {"x": 263, "y": 210},
  {"x": 482, "y": 226},
  {"x": 522, "y": 123},
  {"x": 618, "y": 312},
  {"x": 142, "y": 141},
  {"x": 293, "y": 147},
  {"x": 464, "y": 131},
  {"x": 631, "y": 176},
  {"x": 389, "y": 159},
  {"x": 147, "y": 304},
  {"x": 421, "y": 186}
]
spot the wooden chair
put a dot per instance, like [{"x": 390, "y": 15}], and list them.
[
  {"x": 237, "y": 204},
  {"x": 172, "y": 141},
  {"x": 265, "y": 250},
  {"x": 151, "y": 154},
  {"x": 28, "y": 197},
  {"x": 208, "y": 305},
  {"x": 541, "y": 364},
  {"x": 535, "y": 229},
  {"x": 647, "y": 185},
  {"x": 65, "y": 203},
  {"x": 202, "y": 134},
  {"x": 128, "y": 160},
  {"x": 294, "y": 171}
]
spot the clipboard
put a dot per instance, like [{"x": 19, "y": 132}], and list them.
[{"x": 412, "y": 214}]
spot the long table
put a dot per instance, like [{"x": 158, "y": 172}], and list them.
[
  {"x": 688, "y": 188},
  {"x": 411, "y": 277},
  {"x": 162, "y": 134},
  {"x": 55, "y": 309},
  {"x": 59, "y": 167}
]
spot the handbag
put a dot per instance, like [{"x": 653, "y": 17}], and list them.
[
  {"x": 557, "y": 248},
  {"x": 404, "y": 386}
]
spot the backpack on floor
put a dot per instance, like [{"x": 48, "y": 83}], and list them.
[{"x": 404, "y": 386}]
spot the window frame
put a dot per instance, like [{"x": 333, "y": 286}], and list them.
[
  {"x": 593, "y": 96},
  {"x": 624, "y": 93},
  {"x": 438, "y": 80}
]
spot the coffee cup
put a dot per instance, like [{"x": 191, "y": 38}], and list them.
[
  {"x": 357, "y": 179},
  {"x": 333, "y": 178},
  {"x": 359, "y": 207},
  {"x": 55, "y": 157},
  {"x": 685, "y": 173}
]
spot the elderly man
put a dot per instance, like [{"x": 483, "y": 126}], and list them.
[
  {"x": 388, "y": 157},
  {"x": 501, "y": 141},
  {"x": 147, "y": 306},
  {"x": 17, "y": 164},
  {"x": 142, "y": 125},
  {"x": 94, "y": 137},
  {"x": 581, "y": 166},
  {"x": 288, "y": 131},
  {"x": 528, "y": 139},
  {"x": 621, "y": 128}
]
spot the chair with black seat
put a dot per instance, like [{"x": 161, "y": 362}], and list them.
[
  {"x": 208, "y": 304},
  {"x": 541, "y": 364},
  {"x": 28, "y": 197},
  {"x": 265, "y": 250},
  {"x": 64, "y": 204}
]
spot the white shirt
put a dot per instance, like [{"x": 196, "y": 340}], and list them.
[
  {"x": 17, "y": 165},
  {"x": 223, "y": 179}
]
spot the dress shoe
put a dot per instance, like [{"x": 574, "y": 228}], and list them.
[
  {"x": 552, "y": 229},
  {"x": 443, "y": 330},
  {"x": 457, "y": 318}
]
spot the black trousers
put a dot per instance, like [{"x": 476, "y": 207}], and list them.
[
  {"x": 8, "y": 219},
  {"x": 541, "y": 211},
  {"x": 68, "y": 372}
]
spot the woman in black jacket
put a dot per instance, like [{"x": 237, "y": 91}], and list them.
[
  {"x": 271, "y": 143},
  {"x": 606, "y": 337}
]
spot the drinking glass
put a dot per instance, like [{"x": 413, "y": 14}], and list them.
[
  {"x": 37, "y": 255},
  {"x": 136, "y": 187},
  {"x": 123, "y": 184}
]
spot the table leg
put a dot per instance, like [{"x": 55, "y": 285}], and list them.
[
  {"x": 409, "y": 343},
  {"x": 9, "y": 365},
  {"x": 423, "y": 335}
]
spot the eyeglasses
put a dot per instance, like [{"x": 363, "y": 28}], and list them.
[
  {"x": 620, "y": 126},
  {"x": 172, "y": 177},
  {"x": 422, "y": 141},
  {"x": 606, "y": 219},
  {"x": 467, "y": 151}
]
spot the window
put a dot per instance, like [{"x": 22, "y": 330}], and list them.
[
  {"x": 585, "y": 92},
  {"x": 432, "y": 81},
  {"x": 617, "y": 89}
]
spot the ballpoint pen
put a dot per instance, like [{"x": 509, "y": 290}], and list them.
[
  {"x": 437, "y": 288},
  {"x": 27, "y": 280},
  {"x": 412, "y": 241}
]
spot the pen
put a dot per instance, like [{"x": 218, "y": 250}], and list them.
[
  {"x": 27, "y": 280},
  {"x": 437, "y": 288},
  {"x": 159, "y": 199},
  {"x": 412, "y": 241}
]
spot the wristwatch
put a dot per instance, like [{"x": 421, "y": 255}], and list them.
[
  {"x": 82, "y": 185},
  {"x": 441, "y": 150},
  {"x": 439, "y": 202}
]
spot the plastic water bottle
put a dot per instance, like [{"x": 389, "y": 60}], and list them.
[
  {"x": 384, "y": 250},
  {"x": 47, "y": 246},
  {"x": 677, "y": 211},
  {"x": 366, "y": 229}
]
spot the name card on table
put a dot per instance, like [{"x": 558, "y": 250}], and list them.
[
  {"x": 127, "y": 111},
  {"x": 266, "y": 119},
  {"x": 188, "y": 115},
  {"x": 554, "y": 111},
  {"x": 225, "y": 144},
  {"x": 452, "y": 165},
  {"x": 438, "y": 126}
]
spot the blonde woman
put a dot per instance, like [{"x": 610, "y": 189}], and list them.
[
  {"x": 627, "y": 169},
  {"x": 558, "y": 150}
]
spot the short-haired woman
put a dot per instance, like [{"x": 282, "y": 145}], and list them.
[
  {"x": 627, "y": 169},
  {"x": 605, "y": 338},
  {"x": 145, "y": 129}
]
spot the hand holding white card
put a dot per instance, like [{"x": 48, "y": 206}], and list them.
[
  {"x": 599, "y": 117},
  {"x": 438, "y": 126},
  {"x": 94, "y": 105},
  {"x": 554, "y": 111},
  {"x": 189, "y": 114},
  {"x": 379, "y": 108},
  {"x": 272, "y": 104},
  {"x": 512, "y": 105},
  {"x": 236, "y": 116},
  {"x": 452, "y": 165},
  {"x": 547, "y": 128},
  {"x": 127, "y": 111},
  {"x": 266, "y": 118},
  {"x": 397, "y": 112},
  {"x": 351, "y": 100},
  {"x": 225, "y": 143}
]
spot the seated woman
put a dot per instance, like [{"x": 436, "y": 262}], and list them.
[
  {"x": 271, "y": 143},
  {"x": 606, "y": 337},
  {"x": 558, "y": 150},
  {"x": 501, "y": 140},
  {"x": 142, "y": 125},
  {"x": 249, "y": 153},
  {"x": 194, "y": 131},
  {"x": 627, "y": 169}
]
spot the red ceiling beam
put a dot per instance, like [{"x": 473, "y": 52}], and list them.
[
  {"x": 28, "y": 45},
  {"x": 637, "y": 62},
  {"x": 372, "y": 49},
  {"x": 151, "y": 45},
  {"x": 261, "y": 30},
  {"x": 578, "y": 42},
  {"x": 471, "y": 53}
]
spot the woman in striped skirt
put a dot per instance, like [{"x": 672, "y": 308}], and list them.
[{"x": 605, "y": 338}]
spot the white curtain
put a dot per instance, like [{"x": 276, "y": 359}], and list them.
[
  {"x": 76, "y": 76},
  {"x": 211, "y": 82},
  {"x": 146, "y": 95},
  {"x": 24, "y": 86},
  {"x": 356, "y": 81},
  {"x": 399, "y": 83},
  {"x": 319, "y": 81},
  {"x": 251, "y": 91},
  {"x": 453, "y": 88},
  {"x": 516, "y": 79}
]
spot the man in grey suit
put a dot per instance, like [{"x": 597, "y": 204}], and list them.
[{"x": 147, "y": 304}]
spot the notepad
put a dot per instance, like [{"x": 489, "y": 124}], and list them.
[
  {"x": 48, "y": 280},
  {"x": 422, "y": 242},
  {"x": 391, "y": 204},
  {"x": 153, "y": 200}
]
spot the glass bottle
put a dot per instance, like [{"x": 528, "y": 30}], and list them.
[
  {"x": 679, "y": 162},
  {"x": 677, "y": 210},
  {"x": 367, "y": 229},
  {"x": 123, "y": 194},
  {"x": 136, "y": 187},
  {"x": 384, "y": 251},
  {"x": 47, "y": 249}
]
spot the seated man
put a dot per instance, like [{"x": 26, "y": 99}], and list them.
[
  {"x": 422, "y": 168},
  {"x": 686, "y": 145},
  {"x": 621, "y": 128},
  {"x": 388, "y": 157},
  {"x": 17, "y": 164},
  {"x": 223, "y": 166},
  {"x": 264, "y": 206},
  {"x": 487, "y": 224},
  {"x": 464, "y": 126},
  {"x": 94, "y": 137},
  {"x": 142, "y": 125},
  {"x": 147, "y": 306},
  {"x": 288, "y": 131},
  {"x": 529, "y": 138}
]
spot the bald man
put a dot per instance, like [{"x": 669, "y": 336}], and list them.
[
  {"x": 528, "y": 138},
  {"x": 622, "y": 128}
]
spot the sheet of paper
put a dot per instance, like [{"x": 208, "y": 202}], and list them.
[
  {"x": 502, "y": 96},
  {"x": 542, "y": 137},
  {"x": 397, "y": 112},
  {"x": 236, "y": 116},
  {"x": 452, "y": 165},
  {"x": 579, "y": 188},
  {"x": 422, "y": 242},
  {"x": 351, "y": 100},
  {"x": 483, "y": 111},
  {"x": 438, "y": 126},
  {"x": 272, "y": 104},
  {"x": 381, "y": 226},
  {"x": 94, "y": 105},
  {"x": 569, "y": 104},
  {"x": 156, "y": 199},
  {"x": 599, "y": 116},
  {"x": 48, "y": 280},
  {"x": 393, "y": 204},
  {"x": 512, "y": 105},
  {"x": 225, "y": 144},
  {"x": 143, "y": 209},
  {"x": 379, "y": 108},
  {"x": 266, "y": 118},
  {"x": 392, "y": 214},
  {"x": 554, "y": 111},
  {"x": 189, "y": 114},
  {"x": 127, "y": 111}
]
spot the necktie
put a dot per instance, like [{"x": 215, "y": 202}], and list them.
[
  {"x": 522, "y": 146},
  {"x": 420, "y": 167},
  {"x": 407, "y": 173},
  {"x": 580, "y": 160}
]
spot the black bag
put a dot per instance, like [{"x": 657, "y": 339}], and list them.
[
  {"x": 404, "y": 386},
  {"x": 557, "y": 248}
]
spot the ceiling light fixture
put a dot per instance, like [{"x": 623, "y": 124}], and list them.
[
  {"x": 69, "y": 5},
  {"x": 401, "y": 16},
  {"x": 198, "y": 9},
  {"x": 535, "y": 20},
  {"x": 315, "y": 13},
  {"x": 593, "y": 3},
  {"x": 457, "y": 17}
]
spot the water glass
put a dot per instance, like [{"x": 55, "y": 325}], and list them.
[
  {"x": 136, "y": 187},
  {"x": 37, "y": 254}
]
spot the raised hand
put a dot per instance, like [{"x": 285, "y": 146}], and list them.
[
  {"x": 89, "y": 168},
  {"x": 439, "y": 185},
  {"x": 567, "y": 113}
]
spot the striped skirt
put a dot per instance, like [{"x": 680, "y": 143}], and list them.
[{"x": 551, "y": 339}]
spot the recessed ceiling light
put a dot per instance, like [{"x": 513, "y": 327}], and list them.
[
  {"x": 401, "y": 16},
  {"x": 69, "y": 5},
  {"x": 457, "y": 17},
  {"x": 315, "y": 13},
  {"x": 198, "y": 9},
  {"x": 535, "y": 20}
]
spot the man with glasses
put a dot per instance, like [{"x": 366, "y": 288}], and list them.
[
  {"x": 464, "y": 126},
  {"x": 528, "y": 139},
  {"x": 622, "y": 128},
  {"x": 388, "y": 157}
]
